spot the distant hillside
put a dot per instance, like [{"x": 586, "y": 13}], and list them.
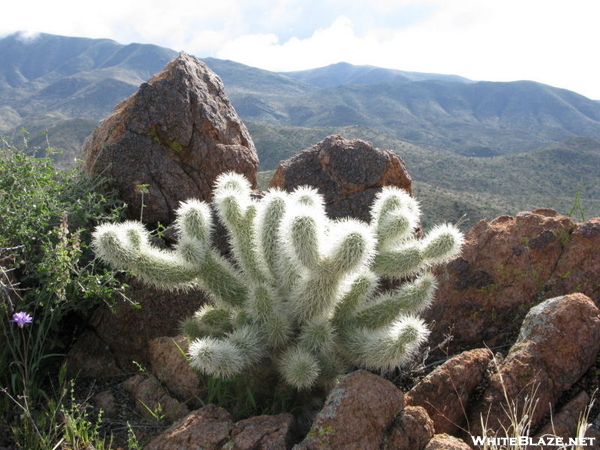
[
  {"x": 481, "y": 119},
  {"x": 347, "y": 74},
  {"x": 53, "y": 78},
  {"x": 451, "y": 186}
]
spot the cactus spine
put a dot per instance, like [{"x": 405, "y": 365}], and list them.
[{"x": 302, "y": 296}]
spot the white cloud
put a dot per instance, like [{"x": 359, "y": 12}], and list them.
[{"x": 549, "y": 42}]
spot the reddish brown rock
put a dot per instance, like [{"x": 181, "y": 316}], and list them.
[
  {"x": 579, "y": 265},
  {"x": 504, "y": 269},
  {"x": 113, "y": 341},
  {"x": 171, "y": 367},
  {"x": 176, "y": 134},
  {"x": 207, "y": 428},
  {"x": 355, "y": 415},
  {"x": 412, "y": 430},
  {"x": 446, "y": 442},
  {"x": 106, "y": 402},
  {"x": 557, "y": 343},
  {"x": 262, "y": 433},
  {"x": 348, "y": 173},
  {"x": 152, "y": 400},
  {"x": 445, "y": 392}
]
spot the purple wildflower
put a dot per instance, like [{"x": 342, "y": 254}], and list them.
[{"x": 21, "y": 318}]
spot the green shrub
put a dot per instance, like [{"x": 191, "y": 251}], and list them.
[{"x": 48, "y": 273}]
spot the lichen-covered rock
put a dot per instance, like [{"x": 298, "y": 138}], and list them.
[
  {"x": 565, "y": 423},
  {"x": 355, "y": 415},
  {"x": 445, "y": 392},
  {"x": 578, "y": 267},
  {"x": 207, "y": 428},
  {"x": 412, "y": 430},
  {"x": 176, "y": 135},
  {"x": 507, "y": 266},
  {"x": 558, "y": 342},
  {"x": 212, "y": 428},
  {"x": 262, "y": 433},
  {"x": 348, "y": 173}
]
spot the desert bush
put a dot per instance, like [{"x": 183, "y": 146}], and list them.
[{"x": 48, "y": 275}]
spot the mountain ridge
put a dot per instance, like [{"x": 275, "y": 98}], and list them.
[
  {"x": 343, "y": 73},
  {"x": 51, "y": 78}
]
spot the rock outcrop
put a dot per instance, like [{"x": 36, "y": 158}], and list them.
[
  {"x": 507, "y": 266},
  {"x": 175, "y": 135},
  {"x": 356, "y": 414},
  {"x": 557, "y": 343},
  {"x": 113, "y": 340},
  {"x": 446, "y": 391},
  {"x": 212, "y": 428},
  {"x": 348, "y": 173}
]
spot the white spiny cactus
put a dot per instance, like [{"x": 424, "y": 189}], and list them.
[{"x": 302, "y": 295}]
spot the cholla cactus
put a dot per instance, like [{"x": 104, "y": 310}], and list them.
[{"x": 302, "y": 296}]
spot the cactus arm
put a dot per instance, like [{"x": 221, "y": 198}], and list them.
[
  {"x": 217, "y": 357},
  {"x": 317, "y": 337},
  {"x": 352, "y": 248},
  {"x": 229, "y": 356},
  {"x": 361, "y": 288},
  {"x": 238, "y": 213},
  {"x": 404, "y": 260},
  {"x": 313, "y": 297},
  {"x": 411, "y": 297},
  {"x": 127, "y": 246},
  {"x": 222, "y": 281},
  {"x": 262, "y": 307},
  {"x": 208, "y": 321},
  {"x": 387, "y": 348},
  {"x": 299, "y": 368},
  {"x": 268, "y": 222},
  {"x": 442, "y": 244}
]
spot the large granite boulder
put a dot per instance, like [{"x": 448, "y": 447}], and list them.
[
  {"x": 348, "y": 173},
  {"x": 176, "y": 135}
]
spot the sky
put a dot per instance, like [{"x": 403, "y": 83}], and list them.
[{"x": 550, "y": 41}]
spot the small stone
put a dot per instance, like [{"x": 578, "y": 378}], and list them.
[
  {"x": 446, "y": 442},
  {"x": 106, "y": 401},
  {"x": 411, "y": 430},
  {"x": 152, "y": 400},
  {"x": 171, "y": 367}
]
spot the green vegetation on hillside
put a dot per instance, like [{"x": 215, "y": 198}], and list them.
[
  {"x": 49, "y": 281},
  {"x": 451, "y": 186}
]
